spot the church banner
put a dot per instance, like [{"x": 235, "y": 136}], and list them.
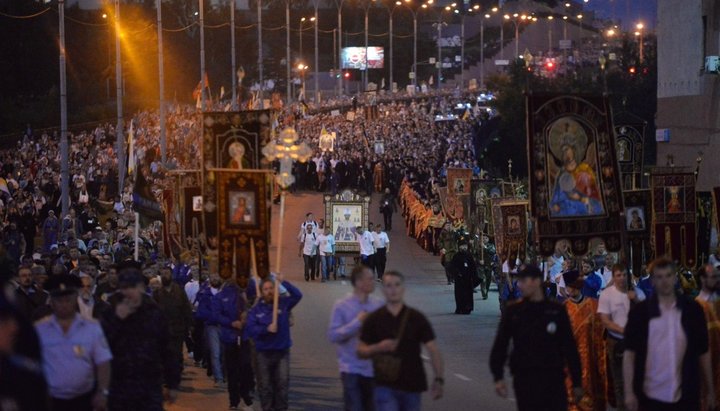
[
  {"x": 638, "y": 222},
  {"x": 242, "y": 218},
  {"x": 510, "y": 220},
  {"x": 235, "y": 192},
  {"x": 674, "y": 214},
  {"x": 575, "y": 189}
]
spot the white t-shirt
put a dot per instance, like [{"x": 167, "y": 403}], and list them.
[
  {"x": 366, "y": 243},
  {"x": 667, "y": 343},
  {"x": 326, "y": 243},
  {"x": 380, "y": 240},
  {"x": 616, "y": 304},
  {"x": 606, "y": 274},
  {"x": 309, "y": 243}
]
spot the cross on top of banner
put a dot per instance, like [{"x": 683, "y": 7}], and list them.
[{"x": 287, "y": 151}]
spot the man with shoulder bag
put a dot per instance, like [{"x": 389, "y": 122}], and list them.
[{"x": 393, "y": 337}]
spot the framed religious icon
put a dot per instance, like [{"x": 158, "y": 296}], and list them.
[
  {"x": 511, "y": 227},
  {"x": 575, "y": 187},
  {"x": 345, "y": 212},
  {"x": 635, "y": 219},
  {"x": 458, "y": 181},
  {"x": 241, "y": 205}
]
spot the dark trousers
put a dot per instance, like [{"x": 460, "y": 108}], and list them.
[
  {"x": 648, "y": 404},
  {"x": 387, "y": 217},
  {"x": 273, "y": 375},
  {"x": 368, "y": 261},
  {"x": 80, "y": 403},
  {"x": 380, "y": 260},
  {"x": 198, "y": 340},
  {"x": 174, "y": 348},
  {"x": 238, "y": 369},
  {"x": 615, "y": 352},
  {"x": 310, "y": 266},
  {"x": 357, "y": 392},
  {"x": 150, "y": 399},
  {"x": 540, "y": 390}
]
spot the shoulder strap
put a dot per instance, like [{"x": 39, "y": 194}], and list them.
[{"x": 403, "y": 323}]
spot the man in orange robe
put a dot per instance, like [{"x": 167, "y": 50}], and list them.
[{"x": 588, "y": 332}]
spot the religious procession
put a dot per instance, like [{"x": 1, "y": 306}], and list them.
[{"x": 533, "y": 230}]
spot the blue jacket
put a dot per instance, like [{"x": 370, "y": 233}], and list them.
[
  {"x": 227, "y": 305},
  {"x": 593, "y": 285},
  {"x": 260, "y": 317},
  {"x": 181, "y": 274},
  {"x": 647, "y": 287},
  {"x": 204, "y": 300}
]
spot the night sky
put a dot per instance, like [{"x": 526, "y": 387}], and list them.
[{"x": 639, "y": 10}]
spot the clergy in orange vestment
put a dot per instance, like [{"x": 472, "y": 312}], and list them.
[{"x": 588, "y": 332}]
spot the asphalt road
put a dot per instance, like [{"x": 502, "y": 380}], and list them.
[{"x": 465, "y": 341}]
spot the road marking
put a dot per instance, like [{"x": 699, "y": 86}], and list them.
[{"x": 462, "y": 377}]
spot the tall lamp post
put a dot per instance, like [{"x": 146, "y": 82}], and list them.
[
  {"x": 439, "y": 25},
  {"x": 316, "y": 76},
  {"x": 551, "y": 20},
  {"x": 463, "y": 12},
  {"x": 339, "y": 4},
  {"x": 517, "y": 19},
  {"x": 119, "y": 99},
  {"x": 161, "y": 79},
  {"x": 414, "y": 11},
  {"x": 391, "y": 10},
  {"x": 64, "y": 156},
  {"x": 639, "y": 33}
]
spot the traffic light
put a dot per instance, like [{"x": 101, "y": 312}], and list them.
[
  {"x": 347, "y": 75},
  {"x": 550, "y": 65},
  {"x": 632, "y": 70}
]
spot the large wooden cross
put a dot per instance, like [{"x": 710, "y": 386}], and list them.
[{"x": 286, "y": 151}]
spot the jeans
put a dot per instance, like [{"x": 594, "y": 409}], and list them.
[
  {"x": 327, "y": 263},
  {"x": 212, "y": 337},
  {"x": 309, "y": 266},
  {"x": 388, "y": 399},
  {"x": 357, "y": 392},
  {"x": 615, "y": 352},
  {"x": 238, "y": 368},
  {"x": 273, "y": 377}
]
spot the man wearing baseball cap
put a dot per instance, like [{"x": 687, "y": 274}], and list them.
[
  {"x": 543, "y": 345},
  {"x": 76, "y": 356}
]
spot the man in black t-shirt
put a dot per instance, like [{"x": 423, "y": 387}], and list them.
[{"x": 397, "y": 332}]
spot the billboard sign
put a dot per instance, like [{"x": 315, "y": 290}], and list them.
[{"x": 360, "y": 59}]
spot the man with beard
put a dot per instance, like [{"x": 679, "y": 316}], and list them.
[
  {"x": 88, "y": 306},
  {"x": 176, "y": 309},
  {"x": 138, "y": 336},
  {"x": 463, "y": 271},
  {"x": 272, "y": 343},
  {"x": 588, "y": 332}
]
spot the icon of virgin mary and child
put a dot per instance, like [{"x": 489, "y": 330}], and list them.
[{"x": 576, "y": 191}]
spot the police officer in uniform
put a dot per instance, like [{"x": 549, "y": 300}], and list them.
[
  {"x": 543, "y": 345},
  {"x": 484, "y": 253}
]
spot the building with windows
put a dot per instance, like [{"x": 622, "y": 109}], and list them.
[{"x": 688, "y": 95}]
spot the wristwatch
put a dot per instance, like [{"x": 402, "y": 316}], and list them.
[{"x": 105, "y": 392}]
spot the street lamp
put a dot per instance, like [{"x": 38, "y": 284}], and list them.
[
  {"x": 414, "y": 11},
  {"x": 438, "y": 25},
  {"x": 302, "y": 68},
  {"x": 391, "y": 10},
  {"x": 302, "y": 24},
  {"x": 639, "y": 33},
  {"x": 580, "y": 17},
  {"x": 551, "y": 19},
  {"x": 517, "y": 19}
]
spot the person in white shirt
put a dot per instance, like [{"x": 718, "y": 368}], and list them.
[
  {"x": 367, "y": 251},
  {"x": 381, "y": 243},
  {"x": 613, "y": 308},
  {"x": 309, "y": 221},
  {"x": 326, "y": 249},
  {"x": 308, "y": 251}
]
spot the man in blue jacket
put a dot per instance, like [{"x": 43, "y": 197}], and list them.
[
  {"x": 211, "y": 328},
  {"x": 272, "y": 343},
  {"x": 229, "y": 310}
]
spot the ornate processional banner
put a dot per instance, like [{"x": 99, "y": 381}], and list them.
[
  {"x": 511, "y": 227},
  {"x": 234, "y": 191},
  {"x": 575, "y": 189},
  {"x": 674, "y": 214}
]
